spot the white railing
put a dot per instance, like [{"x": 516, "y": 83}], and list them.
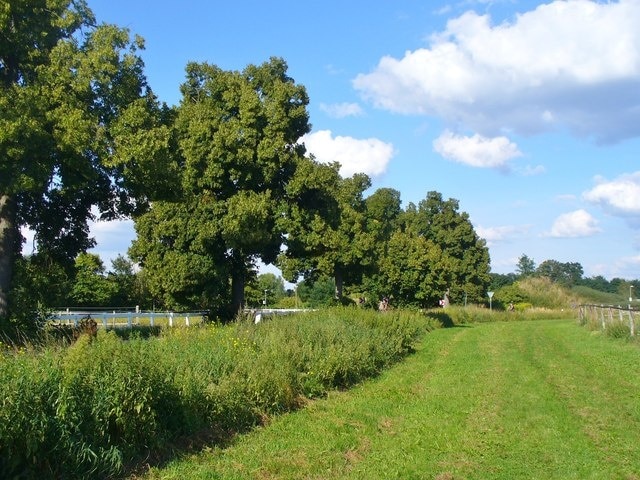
[
  {"x": 258, "y": 314},
  {"x": 127, "y": 319}
]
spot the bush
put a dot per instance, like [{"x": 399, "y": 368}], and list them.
[{"x": 88, "y": 410}]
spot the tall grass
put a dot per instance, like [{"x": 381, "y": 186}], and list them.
[{"x": 89, "y": 410}]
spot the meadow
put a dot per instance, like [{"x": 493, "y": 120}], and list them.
[{"x": 497, "y": 400}]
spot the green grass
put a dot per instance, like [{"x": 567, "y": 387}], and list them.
[
  {"x": 101, "y": 405},
  {"x": 505, "y": 400}
]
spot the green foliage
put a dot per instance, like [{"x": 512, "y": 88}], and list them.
[
  {"x": 618, "y": 329},
  {"x": 64, "y": 82},
  {"x": 543, "y": 293},
  {"x": 91, "y": 288},
  {"x": 434, "y": 250},
  {"x": 567, "y": 274},
  {"x": 236, "y": 134},
  {"x": 526, "y": 266},
  {"x": 509, "y": 294},
  {"x": 318, "y": 293},
  {"x": 39, "y": 283},
  {"x": 266, "y": 286},
  {"x": 89, "y": 410},
  {"x": 590, "y": 295}
]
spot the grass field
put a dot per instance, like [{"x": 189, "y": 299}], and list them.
[{"x": 533, "y": 399}]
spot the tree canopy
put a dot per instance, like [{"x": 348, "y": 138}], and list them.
[
  {"x": 64, "y": 83},
  {"x": 237, "y": 149},
  {"x": 215, "y": 184}
]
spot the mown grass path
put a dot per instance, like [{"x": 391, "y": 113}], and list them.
[{"x": 529, "y": 400}]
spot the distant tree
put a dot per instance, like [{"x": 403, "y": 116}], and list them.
[
  {"x": 598, "y": 282},
  {"x": 525, "y": 266},
  {"x": 266, "y": 285},
  {"x": 567, "y": 274},
  {"x": 464, "y": 262},
  {"x": 128, "y": 284},
  {"x": 90, "y": 287},
  {"x": 317, "y": 293},
  {"x": 410, "y": 274},
  {"x": 433, "y": 250},
  {"x": 499, "y": 280}
]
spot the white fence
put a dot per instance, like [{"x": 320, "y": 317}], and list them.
[
  {"x": 608, "y": 314},
  {"x": 128, "y": 319}
]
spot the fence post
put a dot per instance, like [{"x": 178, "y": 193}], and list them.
[
  {"x": 604, "y": 326},
  {"x": 104, "y": 320},
  {"x": 171, "y": 319},
  {"x": 186, "y": 319},
  {"x": 632, "y": 326},
  {"x": 129, "y": 320},
  {"x": 151, "y": 318}
]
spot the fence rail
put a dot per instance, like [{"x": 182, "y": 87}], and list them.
[
  {"x": 608, "y": 314},
  {"x": 127, "y": 319}
]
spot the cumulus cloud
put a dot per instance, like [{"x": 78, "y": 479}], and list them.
[
  {"x": 502, "y": 233},
  {"x": 476, "y": 151},
  {"x": 370, "y": 156},
  {"x": 568, "y": 64},
  {"x": 619, "y": 197},
  {"x": 575, "y": 224},
  {"x": 342, "y": 110}
]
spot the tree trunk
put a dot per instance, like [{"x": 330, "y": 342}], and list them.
[
  {"x": 237, "y": 282},
  {"x": 9, "y": 244}
]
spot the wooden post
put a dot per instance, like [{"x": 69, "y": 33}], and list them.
[{"x": 632, "y": 326}]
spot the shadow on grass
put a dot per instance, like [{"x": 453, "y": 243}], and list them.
[{"x": 445, "y": 320}]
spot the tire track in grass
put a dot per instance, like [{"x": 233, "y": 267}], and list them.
[
  {"x": 597, "y": 378},
  {"x": 546, "y": 439}
]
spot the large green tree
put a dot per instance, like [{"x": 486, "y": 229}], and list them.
[
  {"x": 237, "y": 136},
  {"x": 63, "y": 83},
  {"x": 465, "y": 261},
  {"x": 326, "y": 226},
  {"x": 433, "y": 251}
]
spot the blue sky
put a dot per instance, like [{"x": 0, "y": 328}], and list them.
[{"x": 528, "y": 113}]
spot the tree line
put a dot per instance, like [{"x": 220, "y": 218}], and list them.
[
  {"x": 566, "y": 274},
  {"x": 214, "y": 184}
]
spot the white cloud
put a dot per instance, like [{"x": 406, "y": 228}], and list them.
[
  {"x": 572, "y": 64},
  {"x": 619, "y": 197},
  {"x": 501, "y": 233},
  {"x": 342, "y": 110},
  {"x": 575, "y": 224},
  {"x": 370, "y": 156},
  {"x": 476, "y": 151}
]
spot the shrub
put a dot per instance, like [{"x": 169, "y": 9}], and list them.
[{"x": 88, "y": 410}]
